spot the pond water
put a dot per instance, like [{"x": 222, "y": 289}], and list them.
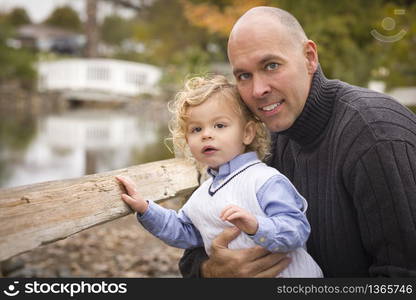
[{"x": 80, "y": 141}]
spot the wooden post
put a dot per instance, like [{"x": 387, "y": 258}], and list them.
[{"x": 34, "y": 215}]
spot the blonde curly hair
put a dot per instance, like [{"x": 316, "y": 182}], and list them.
[{"x": 199, "y": 89}]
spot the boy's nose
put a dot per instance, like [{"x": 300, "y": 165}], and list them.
[{"x": 207, "y": 134}]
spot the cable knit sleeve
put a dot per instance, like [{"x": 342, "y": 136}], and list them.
[
  {"x": 191, "y": 261},
  {"x": 383, "y": 186}
]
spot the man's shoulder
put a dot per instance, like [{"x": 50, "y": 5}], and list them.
[
  {"x": 363, "y": 98},
  {"x": 373, "y": 108}
]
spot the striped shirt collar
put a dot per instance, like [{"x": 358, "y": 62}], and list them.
[{"x": 234, "y": 164}]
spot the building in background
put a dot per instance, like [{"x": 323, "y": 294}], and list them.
[
  {"x": 98, "y": 79},
  {"x": 50, "y": 39}
]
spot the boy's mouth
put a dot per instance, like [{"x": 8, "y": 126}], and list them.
[{"x": 209, "y": 150}]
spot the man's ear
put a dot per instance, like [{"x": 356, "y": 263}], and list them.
[
  {"x": 311, "y": 55},
  {"x": 249, "y": 132}
]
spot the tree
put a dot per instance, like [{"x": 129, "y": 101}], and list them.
[
  {"x": 176, "y": 44},
  {"x": 116, "y": 29},
  {"x": 17, "y": 65},
  {"x": 91, "y": 49},
  {"x": 18, "y": 16},
  {"x": 398, "y": 57},
  {"x": 342, "y": 30},
  {"x": 218, "y": 16},
  {"x": 65, "y": 17}
]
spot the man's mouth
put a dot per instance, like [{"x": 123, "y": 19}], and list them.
[{"x": 271, "y": 107}]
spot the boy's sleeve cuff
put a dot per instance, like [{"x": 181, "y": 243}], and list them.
[
  {"x": 264, "y": 235},
  {"x": 153, "y": 212}
]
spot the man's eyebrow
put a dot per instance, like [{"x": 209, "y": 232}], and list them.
[
  {"x": 266, "y": 58},
  {"x": 270, "y": 57}
]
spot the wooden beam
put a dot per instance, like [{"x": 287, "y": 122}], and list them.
[{"x": 37, "y": 214}]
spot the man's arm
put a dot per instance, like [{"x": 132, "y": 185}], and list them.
[
  {"x": 383, "y": 187},
  {"x": 224, "y": 262},
  {"x": 191, "y": 261}
]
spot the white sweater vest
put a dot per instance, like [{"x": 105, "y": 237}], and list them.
[{"x": 239, "y": 188}]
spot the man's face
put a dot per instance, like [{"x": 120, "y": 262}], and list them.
[{"x": 273, "y": 74}]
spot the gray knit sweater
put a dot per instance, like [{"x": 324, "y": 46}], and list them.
[{"x": 352, "y": 155}]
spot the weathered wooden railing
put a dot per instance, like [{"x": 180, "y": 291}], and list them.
[{"x": 34, "y": 215}]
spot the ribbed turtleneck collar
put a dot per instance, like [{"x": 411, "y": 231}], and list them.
[{"x": 316, "y": 112}]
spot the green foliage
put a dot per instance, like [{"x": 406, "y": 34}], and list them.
[
  {"x": 155, "y": 151},
  {"x": 171, "y": 42},
  {"x": 18, "y": 16},
  {"x": 16, "y": 64},
  {"x": 17, "y": 134},
  {"x": 191, "y": 61},
  {"x": 338, "y": 29},
  {"x": 347, "y": 49},
  {"x": 398, "y": 57},
  {"x": 342, "y": 30},
  {"x": 65, "y": 17},
  {"x": 115, "y": 30},
  {"x": 166, "y": 31}
]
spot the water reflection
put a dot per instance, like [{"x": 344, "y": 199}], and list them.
[{"x": 80, "y": 142}]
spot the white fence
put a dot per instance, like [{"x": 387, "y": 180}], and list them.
[{"x": 106, "y": 76}]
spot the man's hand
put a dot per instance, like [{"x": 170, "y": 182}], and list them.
[
  {"x": 241, "y": 218},
  {"x": 251, "y": 262},
  {"x": 132, "y": 198}
]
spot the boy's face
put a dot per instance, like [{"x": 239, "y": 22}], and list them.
[{"x": 216, "y": 133}]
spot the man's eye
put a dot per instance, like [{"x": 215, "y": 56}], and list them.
[
  {"x": 243, "y": 76},
  {"x": 272, "y": 66},
  {"x": 219, "y": 125}
]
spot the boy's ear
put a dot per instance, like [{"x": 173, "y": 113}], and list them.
[{"x": 249, "y": 132}]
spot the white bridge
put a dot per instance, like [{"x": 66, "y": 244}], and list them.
[{"x": 98, "y": 79}]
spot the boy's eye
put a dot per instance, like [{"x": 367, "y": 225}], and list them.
[
  {"x": 272, "y": 66},
  {"x": 243, "y": 76},
  {"x": 195, "y": 129},
  {"x": 219, "y": 125}
]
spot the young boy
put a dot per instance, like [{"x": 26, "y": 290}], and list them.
[{"x": 213, "y": 126}]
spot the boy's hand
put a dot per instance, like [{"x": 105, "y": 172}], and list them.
[
  {"x": 240, "y": 218},
  {"x": 132, "y": 198}
]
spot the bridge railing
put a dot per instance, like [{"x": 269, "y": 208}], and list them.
[{"x": 98, "y": 75}]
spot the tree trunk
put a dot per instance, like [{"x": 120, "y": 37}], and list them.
[{"x": 91, "y": 29}]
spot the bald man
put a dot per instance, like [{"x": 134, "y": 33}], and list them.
[{"x": 349, "y": 151}]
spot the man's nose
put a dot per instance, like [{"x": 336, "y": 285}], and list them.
[{"x": 260, "y": 87}]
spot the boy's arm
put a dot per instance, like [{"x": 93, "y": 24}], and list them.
[
  {"x": 285, "y": 226},
  {"x": 175, "y": 229}
]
